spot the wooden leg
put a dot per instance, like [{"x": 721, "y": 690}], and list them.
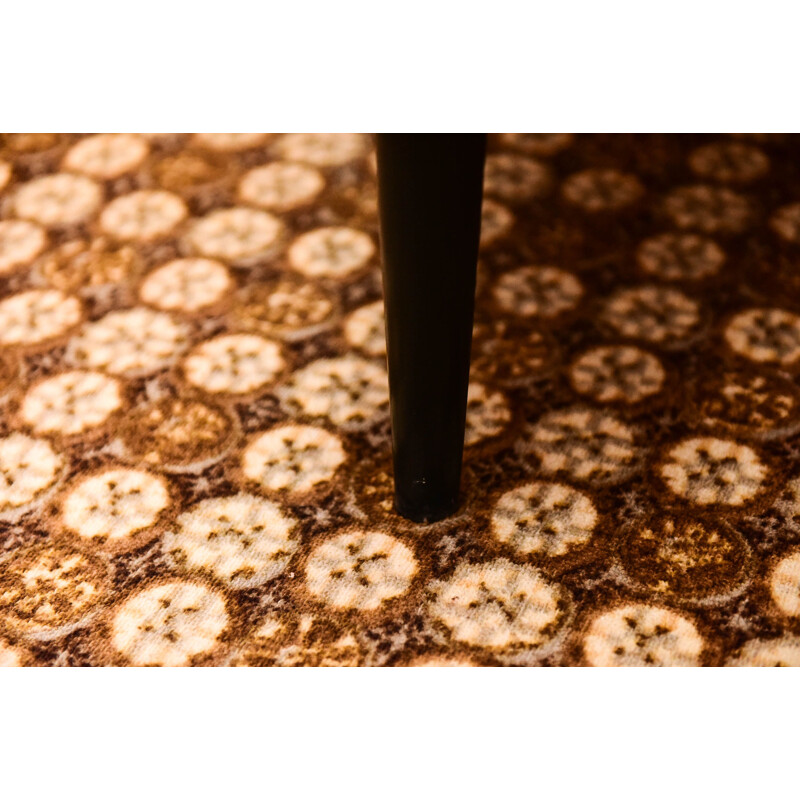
[{"x": 430, "y": 188}]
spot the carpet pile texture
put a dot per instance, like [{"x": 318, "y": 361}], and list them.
[{"x": 195, "y": 455}]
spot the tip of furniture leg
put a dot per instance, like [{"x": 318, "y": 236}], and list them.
[{"x": 426, "y": 511}]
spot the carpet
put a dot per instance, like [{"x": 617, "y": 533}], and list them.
[{"x": 195, "y": 460}]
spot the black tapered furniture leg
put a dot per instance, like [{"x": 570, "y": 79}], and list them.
[{"x": 429, "y": 188}]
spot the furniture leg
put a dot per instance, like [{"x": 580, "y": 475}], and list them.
[{"x": 430, "y": 189}]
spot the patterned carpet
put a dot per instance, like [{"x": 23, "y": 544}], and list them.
[{"x": 195, "y": 463}]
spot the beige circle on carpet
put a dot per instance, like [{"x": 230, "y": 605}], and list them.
[
  {"x": 241, "y": 539},
  {"x": 642, "y": 636},
  {"x": 71, "y": 402},
  {"x": 136, "y": 341},
  {"x": 293, "y": 458},
  {"x": 498, "y": 604},
  {"x": 58, "y": 200},
  {"x": 107, "y": 155},
  {"x": 236, "y": 363},
  {"x": 360, "y": 570},
  {"x": 546, "y": 518},
  {"x": 115, "y": 504},
  {"x": 169, "y": 624}
]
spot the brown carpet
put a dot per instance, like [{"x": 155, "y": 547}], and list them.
[{"x": 195, "y": 454}]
